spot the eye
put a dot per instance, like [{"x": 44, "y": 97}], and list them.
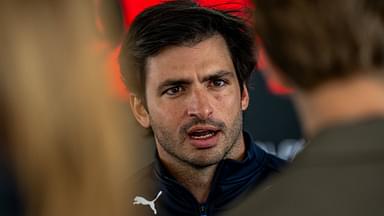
[
  {"x": 218, "y": 83},
  {"x": 173, "y": 90}
]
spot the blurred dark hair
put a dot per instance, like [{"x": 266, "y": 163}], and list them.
[
  {"x": 314, "y": 41},
  {"x": 182, "y": 23},
  {"x": 376, "y": 6}
]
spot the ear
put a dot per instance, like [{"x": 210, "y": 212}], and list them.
[
  {"x": 244, "y": 98},
  {"x": 272, "y": 72},
  {"x": 139, "y": 111}
]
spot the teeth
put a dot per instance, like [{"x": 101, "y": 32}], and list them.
[{"x": 210, "y": 134}]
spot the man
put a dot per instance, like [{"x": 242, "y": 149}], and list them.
[
  {"x": 332, "y": 53},
  {"x": 187, "y": 68}
]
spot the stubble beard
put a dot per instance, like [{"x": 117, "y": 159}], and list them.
[{"x": 172, "y": 142}]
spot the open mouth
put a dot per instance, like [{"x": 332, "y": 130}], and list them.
[{"x": 202, "y": 134}]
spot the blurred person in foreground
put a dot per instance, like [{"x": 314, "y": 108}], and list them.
[
  {"x": 332, "y": 53},
  {"x": 187, "y": 69},
  {"x": 61, "y": 144}
]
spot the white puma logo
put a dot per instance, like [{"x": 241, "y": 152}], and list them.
[{"x": 142, "y": 201}]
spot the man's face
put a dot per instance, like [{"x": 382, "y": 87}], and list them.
[{"x": 194, "y": 104}]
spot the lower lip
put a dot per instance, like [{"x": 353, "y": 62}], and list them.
[{"x": 204, "y": 143}]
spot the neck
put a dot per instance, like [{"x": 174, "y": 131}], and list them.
[
  {"x": 197, "y": 179},
  {"x": 340, "y": 101}
]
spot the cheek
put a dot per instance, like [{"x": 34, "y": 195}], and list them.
[
  {"x": 165, "y": 113},
  {"x": 228, "y": 100}
]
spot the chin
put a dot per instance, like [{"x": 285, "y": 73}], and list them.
[{"x": 205, "y": 162}]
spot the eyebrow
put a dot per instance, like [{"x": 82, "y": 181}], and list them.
[
  {"x": 172, "y": 82},
  {"x": 217, "y": 75},
  {"x": 178, "y": 82}
]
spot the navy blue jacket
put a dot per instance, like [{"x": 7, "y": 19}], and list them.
[{"x": 232, "y": 180}]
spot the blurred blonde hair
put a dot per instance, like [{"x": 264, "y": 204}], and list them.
[{"x": 64, "y": 135}]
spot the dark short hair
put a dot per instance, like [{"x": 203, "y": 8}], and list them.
[
  {"x": 314, "y": 41},
  {"x": 182, "y": 23}
]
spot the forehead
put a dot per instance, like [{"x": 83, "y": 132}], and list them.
[{"x": 208, "y": 56}]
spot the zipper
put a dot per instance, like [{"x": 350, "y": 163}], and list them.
[{"x": 203, "y": 210}]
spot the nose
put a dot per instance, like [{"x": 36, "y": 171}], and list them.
[{"x": 200, "y": 104}]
